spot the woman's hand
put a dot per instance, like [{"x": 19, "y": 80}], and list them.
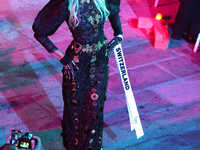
[
  {"x": 64, "y": 59},
  {"x": 114, "y": 42},
  {"x": 118, "y": 39},
  {"x": 69, "y": 71}
]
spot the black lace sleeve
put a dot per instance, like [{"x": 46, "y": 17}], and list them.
[
  {"x": 113, "y": 7},
  {"x": 48, "y": 20}
]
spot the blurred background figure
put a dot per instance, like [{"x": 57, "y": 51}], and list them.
[{"x": 187, "y": 21}]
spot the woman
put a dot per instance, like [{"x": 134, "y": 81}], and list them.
[
  {"x": 85, "y": 71},
  {"x": 187, "y": 18}
]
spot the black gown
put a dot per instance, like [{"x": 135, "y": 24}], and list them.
[{"x": 84, "y": 96}]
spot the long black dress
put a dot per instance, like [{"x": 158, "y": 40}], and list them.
[{"x": 84, "y": 96}]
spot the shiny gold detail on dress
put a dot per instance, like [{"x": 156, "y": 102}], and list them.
[
  {"x": 76, "y": 120},
  {"x": 93, "y": 58},
  {"x": 93, "y": 132},
  {"x": 94, "y": 96},
  {"x": 94, "y": 104},
  {"x": 76, "y": 141},
  {"x": 94, "y": 90},
  {"x": 92, "y": 76},
  {"x": 74, "y": 101},
  {"x": 92, "y": 70},
  {"x": 91, "y": 140},
  {"x": 100, "y": 140}
]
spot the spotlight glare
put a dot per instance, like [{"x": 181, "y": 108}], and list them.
[{"x": 159, "y": 16}]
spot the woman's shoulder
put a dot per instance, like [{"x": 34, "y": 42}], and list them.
[
  {"x": 57, "y": 5},
  {"x": 52, "y": 15},
  {"x": 113, "y": 6}
]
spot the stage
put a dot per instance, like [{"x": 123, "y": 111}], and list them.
[{"x": 165, "y": 82}]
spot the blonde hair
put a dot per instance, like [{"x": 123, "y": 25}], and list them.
[{"x": 73, "y": 8}]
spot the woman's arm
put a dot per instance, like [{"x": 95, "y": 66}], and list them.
[
  {"x": 113, "y": 7},
  {"x": 48, "y": 20},
  {"x": 59, "y": 53},
  {"x": 116, "y": 24}
]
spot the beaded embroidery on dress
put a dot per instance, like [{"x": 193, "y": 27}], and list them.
[{"x": 85, "y": 95}]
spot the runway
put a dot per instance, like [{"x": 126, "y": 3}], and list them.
[{"x": 165, "y": 82}]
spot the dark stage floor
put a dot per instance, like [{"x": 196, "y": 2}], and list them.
[{"x": 165, "y": 82}]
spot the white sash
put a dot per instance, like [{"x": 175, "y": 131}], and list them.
[{"x": 132, "y": 108}]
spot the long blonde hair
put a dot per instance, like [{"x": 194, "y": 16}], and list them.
[{"x": 73, "y": 8}]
